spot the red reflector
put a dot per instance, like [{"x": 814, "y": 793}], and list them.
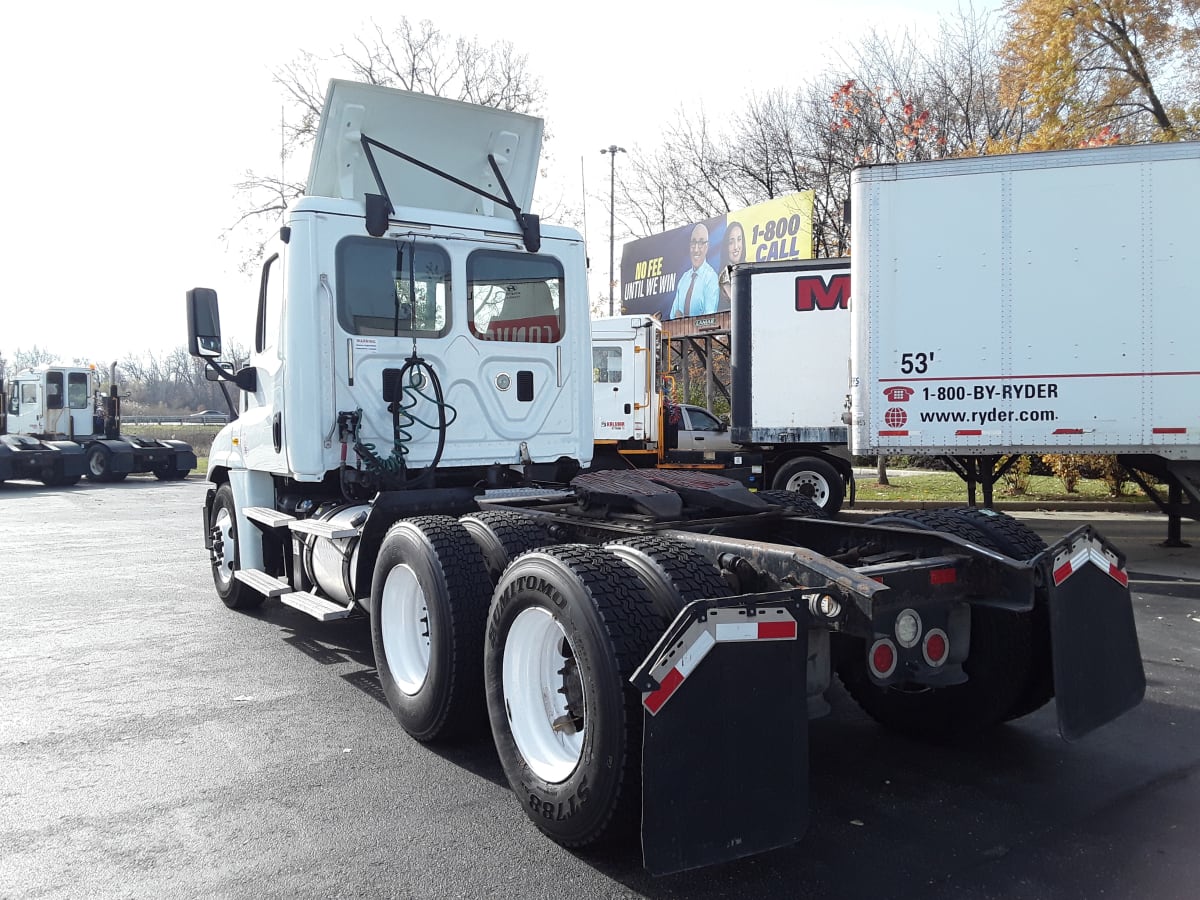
[
  {"x": 893, "y": 434},
  {"x": 883, "y": 658},
  {"x": 655, "y": 700},
  {"x": 1118, "y": 575},
  {"x": 1061, "y": 573},
  {"x": 935, "y": 648},
  {"x": 942, "y": 576},
  {"x": 969, "y": 432},
  {"x": 776, "y": 630}
]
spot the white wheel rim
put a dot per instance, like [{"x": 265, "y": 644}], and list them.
[
  {"x": 97, "y": 463},
  {"x": 820, "y": 487},
  {"x": 404, "y": 625},
  {"x": 224, "y": 529},
  {"x": 533, "y": 659}
]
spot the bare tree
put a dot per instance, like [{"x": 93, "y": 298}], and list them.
[{"x": 416, "y": 57}]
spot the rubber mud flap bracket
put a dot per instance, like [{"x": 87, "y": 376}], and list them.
[
  {"x": 725, "y": 745},
  {"x": 1098, "y": 672}
]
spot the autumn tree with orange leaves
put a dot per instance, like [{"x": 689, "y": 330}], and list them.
[{"x": 1092, "y": 72}]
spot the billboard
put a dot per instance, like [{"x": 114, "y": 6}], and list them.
[{"x": 684, "y": 271}]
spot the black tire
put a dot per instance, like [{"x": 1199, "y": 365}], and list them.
[
  {"x": 814, "y": 478},
  {"x": 99, "y": 464},
  {"x": 795, "y": 503},
  {"x": 429, "y": 602},
  {"x": 169, "y": 472},
  {"x": 502, "y": 536},
  {"x": 1016, "y": 539},
  {"x": 226, "y": 555},
  {"x": 998, "y": 667},
  {"x": 674, "y": 574},
  {"x": 576, "y": 605},
  {"x": 52, "y": 476}
]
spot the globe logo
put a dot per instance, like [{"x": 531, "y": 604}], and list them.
[{"x": 895, "y": 417}]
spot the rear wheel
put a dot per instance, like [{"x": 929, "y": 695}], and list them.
[
  {"x": 503, "y": 535},
  {"x": 169, "y": 472},
  {"x": 224, "y": 554},
  {"x": 429, "y": 600},
  {"x": 52, "y": 476},
  {"x": 815, "y": 479},
  {"x": 795, "y": 503},
  {"x": 674, "y": 574},
  {"x": 998, "y": 667},
  {"x": 567, "y": 628},
  {"x": 1014, "y": 538},
  {"x": 99, "y": 463}
]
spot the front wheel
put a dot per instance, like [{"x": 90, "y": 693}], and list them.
[
  {"x": 568, "y": 626},
  {"x": 815, "y": 479},
  {"x": 429, "y": 600},
  {"x": 99, "y": 464},
  {"x": 224, "y": 555}
]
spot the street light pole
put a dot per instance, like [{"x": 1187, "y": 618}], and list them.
[{"x": 612, "y": 150}]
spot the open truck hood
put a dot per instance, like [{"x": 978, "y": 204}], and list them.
[{"x": 451, "y": 136}]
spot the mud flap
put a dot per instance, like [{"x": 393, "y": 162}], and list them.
[
  {"x": 1098, "y": 673},
  {"x": 725, "y": 747}
]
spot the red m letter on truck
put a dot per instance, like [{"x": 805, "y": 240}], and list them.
[{"x": 812, "y": 292}]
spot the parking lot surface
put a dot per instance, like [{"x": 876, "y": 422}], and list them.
[{"x": 156, "y": 744}]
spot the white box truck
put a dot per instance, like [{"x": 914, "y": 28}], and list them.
[
  {"x": 789, "y": 377},
  {"x": 1031, "y": 303}
]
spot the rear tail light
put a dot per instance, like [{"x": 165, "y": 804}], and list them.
[
  {"x": 882, "y": 658},
  {"x": 936, "y": 647}
]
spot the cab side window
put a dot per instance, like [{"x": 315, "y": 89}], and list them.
[
  {"x": 77, "y": 390},
  {"x": 54, "y": 390},
  {"x": 606, "y": 365}
]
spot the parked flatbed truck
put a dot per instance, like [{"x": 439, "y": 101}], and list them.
[{"x": 646, "y": 647}]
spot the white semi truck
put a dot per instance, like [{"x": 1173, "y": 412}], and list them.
[
  {"x": 59, "y": 425},
  {"x": 640, "y": 643},
  {"x": 790, "y": 370},
  {"x": 1037, "y": 303}
]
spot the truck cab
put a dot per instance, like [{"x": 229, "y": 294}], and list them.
[
  {"x": 51, "y": 402},
  {"x": 415, "y": 327}
]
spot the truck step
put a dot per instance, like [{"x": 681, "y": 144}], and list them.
[
  {"x": 322, "y": 529},
  {"x": 522, "y": 493},
  {"x": 267, "y": 585},
  {"x": 264, "y": 515},
  {"x": 317, "y": 607}
]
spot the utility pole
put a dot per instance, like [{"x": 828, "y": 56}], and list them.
[{"x": 612, "y": 150}]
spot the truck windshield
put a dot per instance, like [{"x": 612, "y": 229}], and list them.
[
  {"x": 379, "y": 287},
  {"x": 515, "y": 297}
]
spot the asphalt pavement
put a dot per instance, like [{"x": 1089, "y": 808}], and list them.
[{"x": 156, "y": 744}]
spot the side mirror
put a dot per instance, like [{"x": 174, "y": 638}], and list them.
[
  {"x": 204, "y": 323},
  {"x": 210, "y": 374}
]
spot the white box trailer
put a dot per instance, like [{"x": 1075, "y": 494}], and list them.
[{"x": 1030, "y": 303}]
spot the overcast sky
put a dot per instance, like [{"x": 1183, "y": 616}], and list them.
[{"x": 128, "y": 124}]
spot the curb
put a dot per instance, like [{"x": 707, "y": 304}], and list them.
[{"x": 1019, "y": 506}]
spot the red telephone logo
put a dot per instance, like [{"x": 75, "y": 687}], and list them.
[{"x": 898, "y": 394}]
